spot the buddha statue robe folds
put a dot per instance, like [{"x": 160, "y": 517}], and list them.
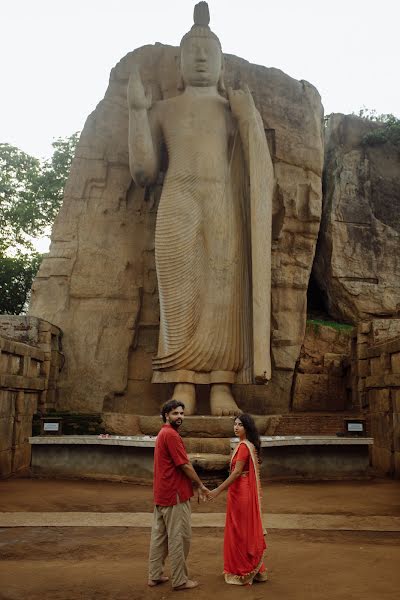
[{"x": 213, "y": 230}]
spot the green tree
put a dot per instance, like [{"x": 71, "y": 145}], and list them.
[
  {"x": 389, "y": 132},
  {"x": 16, "y": 276},
  {"x": 30, "y": 196}
]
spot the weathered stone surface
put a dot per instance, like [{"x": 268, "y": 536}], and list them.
[
  {"x": 358, "y": 255},
  {"x": 319, "y": 392},
  {"x": 199, "y": 426},
  {"x": 6, "y": 432},
  {"x": 379, "y": 401},
  {"x": 395, "y": 358},
  {"x": 382, "y": 430},
  {"x": 21, "y": 457},
  {"x": 320, "y": 379},
  {"x": 383, "y": 460},
  {"x": 5, "y": 463},
  {"x": 121, "y": 424},
  {"x": 98, "y": 282}
]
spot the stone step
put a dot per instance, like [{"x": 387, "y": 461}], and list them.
[
  {"x": 209, "y": 461},
  {"x": 208, "y": 445},
  {"x": 203, "y": 426}
]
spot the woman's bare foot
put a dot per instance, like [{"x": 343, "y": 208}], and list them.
[
  {"x": 153, "y": 582},
  {"x": 187, "y": 586},
  {"x": 186, "y": 393},
  {"x": 222, "y": 403}
]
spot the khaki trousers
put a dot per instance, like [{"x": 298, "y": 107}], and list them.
[{"x": 171, "y": 533}]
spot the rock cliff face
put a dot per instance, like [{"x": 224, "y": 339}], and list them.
[
  {"x": 98, "y": 282},
  {"x": 357, "y": 263}
]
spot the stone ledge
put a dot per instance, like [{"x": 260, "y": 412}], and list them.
[
  {"x": 382, "y": 381},
  {"x": 390, "y": 347},
  {"x": 21, "y": 382},
  {"x": 147, "y": 441},
  {"x": 13, "y": 347}
]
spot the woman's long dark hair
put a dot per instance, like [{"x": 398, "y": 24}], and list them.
[{"x": 251, "y": 432}]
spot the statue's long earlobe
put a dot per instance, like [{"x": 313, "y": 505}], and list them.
[
  {"x": 221, "y": 84},
  {"x": 181, "y": 84}
]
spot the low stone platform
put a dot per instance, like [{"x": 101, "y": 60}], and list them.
[{"x": 131, "y": 457}]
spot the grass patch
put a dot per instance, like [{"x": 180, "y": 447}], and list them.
[{"x": 316, "y": 323}]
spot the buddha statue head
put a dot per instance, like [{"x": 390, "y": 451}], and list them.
[{"x": 201, "y": 55}]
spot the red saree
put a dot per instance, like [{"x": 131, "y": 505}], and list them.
[{"x": 244, "y": 542}]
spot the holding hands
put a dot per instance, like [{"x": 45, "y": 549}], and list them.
[
  {"x": 213, "y": 494},
  {"x": 205, "y": 495}
]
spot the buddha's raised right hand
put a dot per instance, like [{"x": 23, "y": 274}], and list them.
[{"x": 138, "y": 99}]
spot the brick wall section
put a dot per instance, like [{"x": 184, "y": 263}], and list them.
[
  {"x": 312, "y": 423},
  {"x": 321, "y": 381},
  {"x": 28, "y": 374},
  {"x": 376, "y": 381},
  {"x": 45, "y": 336}
]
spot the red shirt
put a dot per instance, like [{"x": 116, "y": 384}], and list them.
[{"x": 170, "y": 484}]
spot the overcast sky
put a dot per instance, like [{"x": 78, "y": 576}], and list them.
[{"x": 56, "y": 55}]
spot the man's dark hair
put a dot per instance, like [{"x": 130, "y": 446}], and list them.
[{"x": 170, "y": 405}]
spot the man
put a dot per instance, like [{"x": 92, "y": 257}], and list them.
[{"x": 173, "y": 478}]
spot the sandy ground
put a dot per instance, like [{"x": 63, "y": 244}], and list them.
[
  {"x": 110, "y": 563},
  {"x": 372, "y": 497}
]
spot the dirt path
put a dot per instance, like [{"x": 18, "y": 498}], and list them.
[
  {"x": 110, "y": 563},
  {"x": 100, "y": 564},
  {"x": 376, "y": 497}
]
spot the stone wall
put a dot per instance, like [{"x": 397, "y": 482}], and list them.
[
  {"x": 28, "y": 375},
  {"x": 376, "y": 380},
  {"x": 98, "y": 282},
  {"x": 322, "y": 379}
]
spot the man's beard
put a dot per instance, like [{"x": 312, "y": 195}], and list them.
[{"x": 176, "y": 424}]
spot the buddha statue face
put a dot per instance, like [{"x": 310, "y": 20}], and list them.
[{"x": 201, "y": 61}]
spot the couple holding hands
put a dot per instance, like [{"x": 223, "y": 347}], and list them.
[{"x": 174, "y": 478}]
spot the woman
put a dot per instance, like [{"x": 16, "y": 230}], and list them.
[{"x": 244, "y": 542}]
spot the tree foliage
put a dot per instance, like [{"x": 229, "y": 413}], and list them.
[
  {"x": 389, "y": 132},
  {"x": 31, "y": 191},
  {"x": 30, "y": 196},
  {"x": 16, "y": 276}
]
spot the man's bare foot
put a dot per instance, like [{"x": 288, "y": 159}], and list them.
[
  {"x": 222, "y": 403},
  {"x": 187, "y": 586},
  {"x": 186, "y": 393},
  {"x": 153, "y": 582}
]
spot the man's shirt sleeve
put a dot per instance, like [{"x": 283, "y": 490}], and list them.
[{"x": 177, "y": 450}]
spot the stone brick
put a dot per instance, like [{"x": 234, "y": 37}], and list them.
[
  {"x": 4, "y": 362},
  {"x": 379, "y": 400},
  {"x": 121, "y": 424},
  {"x": 5, "y": 462},
  {"x": 397, "y": 465},
  {"x": 22, "y": 430},
  {"x": 364, "y": 327},
  {"x": 6, "y": 432},
  {"x": 382, "y": 430},
  {"x": 26, "y": 403},
  {"x": 396, "y": 400},
  {"x": 395, "y": 359},
  {"x": 318, "y": 392},
  {"x": 21, "y": 457},
  {"x": 388, "y": 380},
  {"x": 363, "y": 368},
  {"x": 7, "y": 403},
  {"x": 375, "y": 366},
  {"x": 382, "y": 460},
  {"x": 396, "y": 432}
]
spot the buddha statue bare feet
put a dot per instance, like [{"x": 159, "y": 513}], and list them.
[
  {"x": 222, "y": 402},
  {"x": 186, "y": 393}
]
